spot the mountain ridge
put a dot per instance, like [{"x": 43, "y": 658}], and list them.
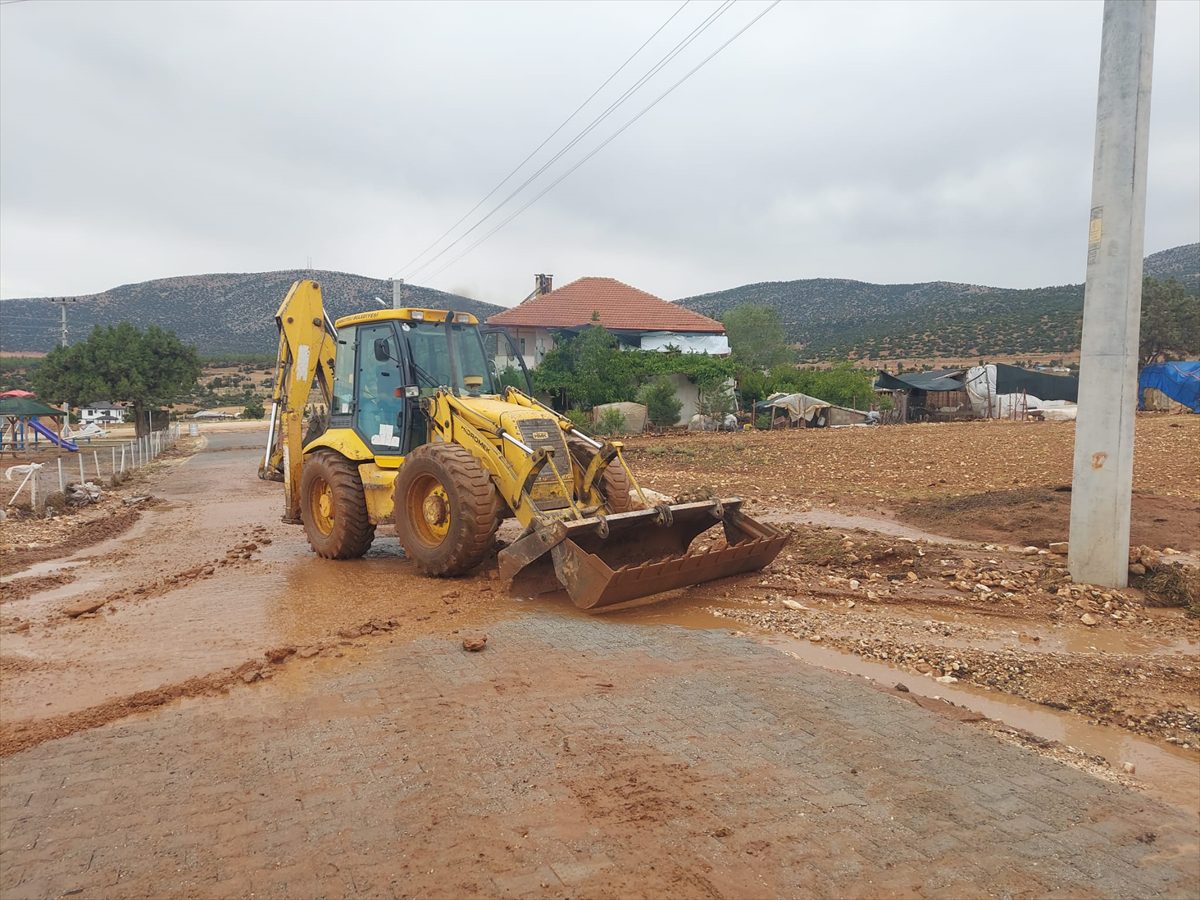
[
  {"x": 840, "y": 317},
  {"x": 826, "y": 317}
]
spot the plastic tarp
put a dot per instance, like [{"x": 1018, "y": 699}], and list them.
[
  {"x": 1178, "y": 380},
  {"x": 991, "y": 392},
  {"x": 661, "y": 341},
  {"x": 937, "y": 380},
  {"x": 797, "y": 406}
]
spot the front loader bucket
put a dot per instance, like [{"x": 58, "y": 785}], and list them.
[{"x": 624, "y": 556}]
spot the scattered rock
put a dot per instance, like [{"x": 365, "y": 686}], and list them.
[
  {"x": 1128, "y": 768},
  {"x": 251, "y": 675},
  {"x": 307, "y": 652},
  {"x": 279, "y": 654},
  {"x": 79, "y": 607},
  {"x": 794, "y": 604},
  {"x": 1089, "y": 620},
  {"x": 474, "y": 644},
  {"x": 1058, "y": 546},
  {"x": 902, "y": 687},
  {"x": 1137, "y": 569}
]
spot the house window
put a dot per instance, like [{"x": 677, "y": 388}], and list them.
[{"x": 522, "y": 346}]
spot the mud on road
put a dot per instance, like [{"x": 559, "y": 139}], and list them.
[{"x": 207, "y": 591}]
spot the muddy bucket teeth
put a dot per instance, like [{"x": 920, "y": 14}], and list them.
[{"x": 625, "y": 556}]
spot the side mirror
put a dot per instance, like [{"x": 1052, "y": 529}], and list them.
[{"x": 381, "y": 350}]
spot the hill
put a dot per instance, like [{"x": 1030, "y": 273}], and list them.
[
  {"x": 225, "y": 313},
  {"x": 836, "y": 318}
]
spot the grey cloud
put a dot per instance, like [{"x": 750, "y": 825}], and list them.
[{"x": 882, "y": 141}]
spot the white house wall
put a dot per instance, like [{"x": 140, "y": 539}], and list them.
[{"x": 661, "y": 341}]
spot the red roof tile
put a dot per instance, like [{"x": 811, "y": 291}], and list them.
[{"x": 621, "y": 308}]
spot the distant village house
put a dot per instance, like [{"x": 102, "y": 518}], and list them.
[
  {"x": 101, "y": 414},
  {"x": 637, "y": 319}
]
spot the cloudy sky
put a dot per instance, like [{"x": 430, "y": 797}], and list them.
[{"x": 879, "y": 141}]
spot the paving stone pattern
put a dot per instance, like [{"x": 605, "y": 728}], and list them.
[{"x": 572, "y": 758}]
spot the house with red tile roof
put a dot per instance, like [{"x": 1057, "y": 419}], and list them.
[{"x": 639, "y": 320}]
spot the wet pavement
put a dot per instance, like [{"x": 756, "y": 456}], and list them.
[{"x": 578, "y": 755}]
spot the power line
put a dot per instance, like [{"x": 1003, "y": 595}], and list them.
[
  {"x": 629, "y": 92},
  {"x": 533, "y": 153},
  {"x": 607, "y": 140}
]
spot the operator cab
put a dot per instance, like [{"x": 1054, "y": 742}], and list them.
[{"x": 387, "y": 361}]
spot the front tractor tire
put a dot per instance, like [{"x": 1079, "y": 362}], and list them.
[
  {"x": 333, "y": 507},
  {"x": 447, "y": 510}
]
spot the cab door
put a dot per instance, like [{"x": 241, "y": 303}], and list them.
[
  {"x": 379, "y": 414},
  {"x": 507, "y": 365}
]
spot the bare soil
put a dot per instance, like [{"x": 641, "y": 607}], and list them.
[{"x": 1041, "y": 516}]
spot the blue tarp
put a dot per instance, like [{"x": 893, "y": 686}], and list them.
[{"x": 1178, "y": 380}]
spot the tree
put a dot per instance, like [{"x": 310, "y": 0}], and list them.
[
  {"x": 714, "y": 400},
  {"x": 254, "y": 410},
  {"x": 1170, "y": 326},
  {"x": 147, "y": 369},
  {"x": 756, "y": 336},
  {"x": 662, "y": 405}
]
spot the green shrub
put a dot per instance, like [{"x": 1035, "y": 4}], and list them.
[
  {"x": 611, "y": 421},
  {"x": 580, "y": 419},
  {"x": 662, "y": 405},
  {"x": 253, "y": 410}
]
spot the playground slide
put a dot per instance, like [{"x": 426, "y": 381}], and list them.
[{"x": 52, "y": 437}]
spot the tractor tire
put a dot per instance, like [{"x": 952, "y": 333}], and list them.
[
  {"x": 614, "y": 482},
  {"x": 333, "y": 508},
  {"x": 447, "y": 510}
]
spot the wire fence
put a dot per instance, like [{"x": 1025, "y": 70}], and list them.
[{"x": 77, "y": 476}]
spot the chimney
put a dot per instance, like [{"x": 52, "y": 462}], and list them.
[{"x": 542, "y": 284}]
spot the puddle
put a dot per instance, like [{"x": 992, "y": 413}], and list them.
[{"x": 849, "y": 521}]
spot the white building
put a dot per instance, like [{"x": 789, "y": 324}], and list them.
[{"x": 101, "y": 414}]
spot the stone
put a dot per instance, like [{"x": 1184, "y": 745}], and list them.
[
  {"x": 79, "y": 607},
  {"x": 793, "y": 604},
  {"x": 1030, "y": 551},
  {"x": 1137, "y": 569},
  {"x": 475, "y": 644},
  {"x": 1128, "y": 768},
  {"x": 1058, "y": 546},
  {"x": 1089, "y": 620}
]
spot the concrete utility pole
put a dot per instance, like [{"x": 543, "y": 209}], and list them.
[
  {"x": 1101, "y": 488},
  {"x": 399, "y": 294}
]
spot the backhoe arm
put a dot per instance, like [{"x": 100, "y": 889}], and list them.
[{"x": 307, "y": 348}]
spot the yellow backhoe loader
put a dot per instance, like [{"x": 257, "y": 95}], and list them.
[{"x": 419, "y": 431}]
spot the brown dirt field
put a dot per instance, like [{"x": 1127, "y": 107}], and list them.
[
  {"x": 895, "y": 468},
  {"x": 1041, "y": 516}
]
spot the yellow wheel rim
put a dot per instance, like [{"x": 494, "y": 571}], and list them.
[
  {"x": 321, "y": 505},
  {"x": 428, "y": 510}
]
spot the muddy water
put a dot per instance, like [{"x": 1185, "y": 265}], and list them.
[{"x": 848, "y": 521}]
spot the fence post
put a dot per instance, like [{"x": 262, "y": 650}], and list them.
[
  {"x": 122, "y": 456},
  {"x": 62, "y": 485},
  {"x": 114, "y": 462},
  {"x": 96, "y": 460},
  {"x": 82, "y": 477},
  {"x": 37, "y": 476}
]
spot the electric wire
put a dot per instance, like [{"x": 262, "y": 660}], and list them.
[
  {"x": 503, "y": 181},
  {"x": 629, "y": 92},
  {"x": 607, "y": 140}
]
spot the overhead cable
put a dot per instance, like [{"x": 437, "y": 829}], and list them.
[
  {"x": 606, "y": 141},
  {"x": 550, "y": 137},
  {"x": 629, "y": 92}
]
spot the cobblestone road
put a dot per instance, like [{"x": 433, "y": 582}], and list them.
[{"x": 571, "y": 758}]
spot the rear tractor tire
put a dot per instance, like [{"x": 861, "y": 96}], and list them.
[
  {"x": 333, "y": 508},
  {"x": 447, "y": 510}
]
